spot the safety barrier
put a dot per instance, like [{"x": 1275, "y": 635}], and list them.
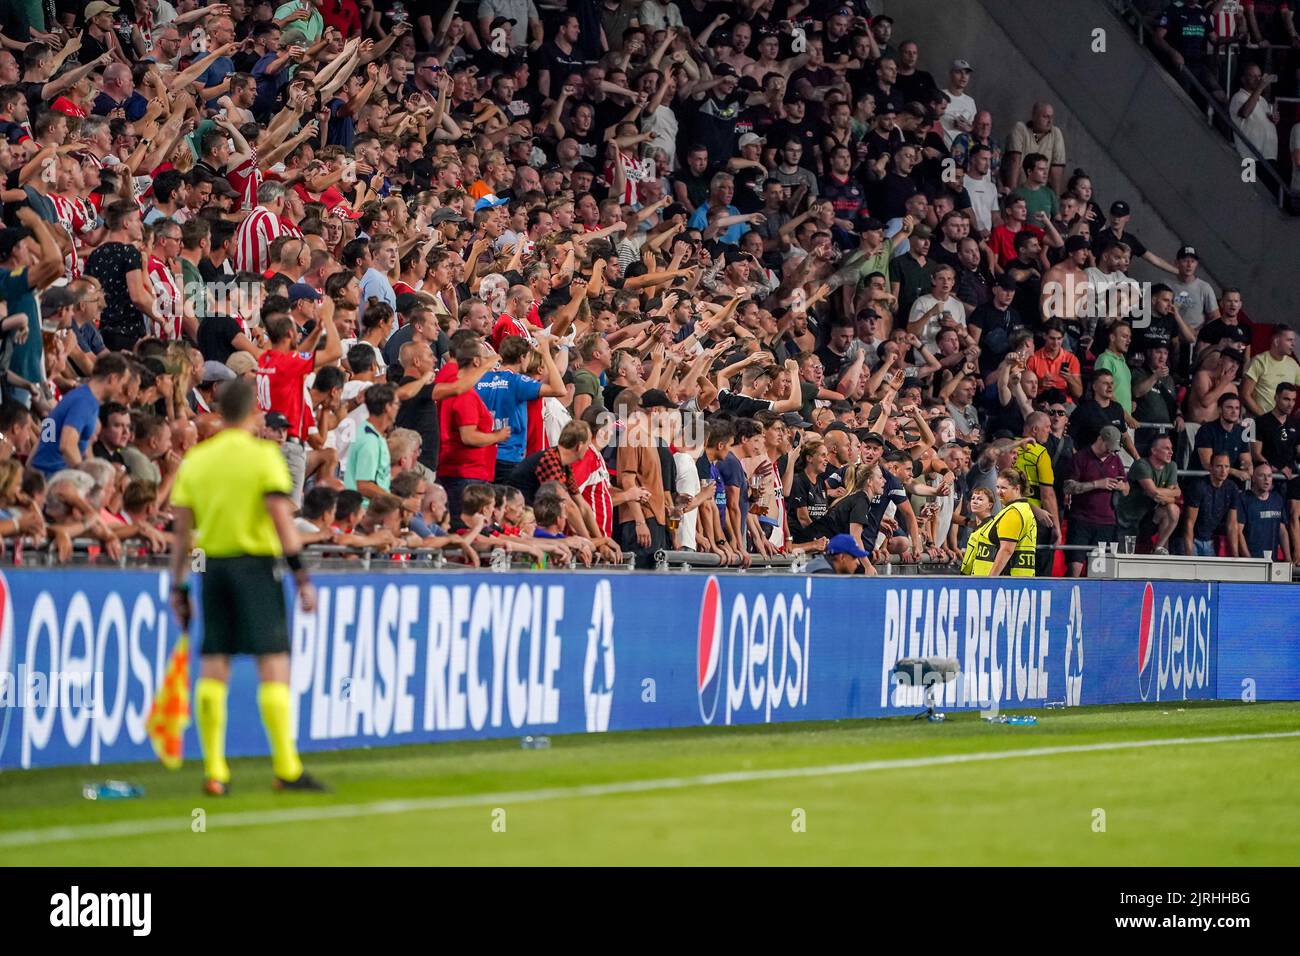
[{"x": 423, "y": 657}]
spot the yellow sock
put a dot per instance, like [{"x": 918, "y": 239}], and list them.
[
  {"x": 273, "y": 701},
  {"x": 210, "y": 706}
]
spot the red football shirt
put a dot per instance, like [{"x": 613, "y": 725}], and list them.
[
  {"x": 280, "y": 388},
  {"x": 507, "y": 324},
  {"x": 455, "y": 458}
]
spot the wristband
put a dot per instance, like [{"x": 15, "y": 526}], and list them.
[
  {"x": 294, "y": 561},
  {"x": 181, "y": 586}
]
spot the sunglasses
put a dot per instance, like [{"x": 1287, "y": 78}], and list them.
[{"x": 1058, "y": 412}]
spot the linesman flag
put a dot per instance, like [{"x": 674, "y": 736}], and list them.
[{"x": 170, "y": 713}]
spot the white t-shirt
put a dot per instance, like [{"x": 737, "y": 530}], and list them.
[
  {"x": 1257, "y": 127},
  {"x": 952, "y": 308},
  {"x": 983, "y": 195},
  {"x": 960, "y": 106},
  {"x": 688, "y": 483}
]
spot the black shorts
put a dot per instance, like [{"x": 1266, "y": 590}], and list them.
[
  {"x": 1080, "y": 532},
  {"x": 243, "y": 607}
]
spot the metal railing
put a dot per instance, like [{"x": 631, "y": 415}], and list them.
[{"x": 1284, "y": 198}]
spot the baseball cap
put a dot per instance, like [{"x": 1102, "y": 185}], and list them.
[
  {"x": 489, "y": 201},
  {"x": 844, "y": 544},
  {"x": 867, "y": 315},
  {"x": 98, "y": 7},
  {"x": 873, "y": 438},
  {"x": 500, "y": 22},
  {"x": 962, "y": 65},
  {"x": 724, "y": 69},
  {"x": 10, "y": 237},
  {"x": 445, "y": 215},
  {"x": 1187, "y": 252},
  {"x": 1120, "y": 208},
  {"x": 675, "y": 209},
  {"x": 751, "y": 139},
  {"x": 656, "y": 398},
  {"x": 921, "y": 231},
  {"x": 1075, "y": 243},
  {"x": 795, "y": 420},
  {"x": 1005, "y": 281},
  {"x": 1110, "y": 435},
  {"x": 214, "y": 371},
  {"x": 221, "y": 187},
  {"x": 277, "y": 420},
  {"x": 241, "y": 363},
  {"x": 301, "y": 290},
  {"x": 869, "y": 224}
]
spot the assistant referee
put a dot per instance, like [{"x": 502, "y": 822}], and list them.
[{"x": 232, "y": 493}]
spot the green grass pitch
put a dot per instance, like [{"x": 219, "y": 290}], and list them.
[{"x": 871, "y": 792}]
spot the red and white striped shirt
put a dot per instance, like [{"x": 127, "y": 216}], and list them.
[
  {"x": 168, "y": 293},
  {"x": 77, "y": 216},
  {"x": 253, "y": 239},
  {"x": 245, "y": 178},
  {"x": 593, "y": 480}
]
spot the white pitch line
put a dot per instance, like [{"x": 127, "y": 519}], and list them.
[{"x": 253, "y": 818}]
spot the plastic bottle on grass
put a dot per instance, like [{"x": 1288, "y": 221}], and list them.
[{"x": 111, "y": 790}]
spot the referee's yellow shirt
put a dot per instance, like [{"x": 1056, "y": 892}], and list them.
[
  {"x": 1035, "y": 464},
  {"x": 223, "y": 481}
]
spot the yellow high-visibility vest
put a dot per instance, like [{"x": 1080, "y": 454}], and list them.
[{"x": 1015, "y": 522}]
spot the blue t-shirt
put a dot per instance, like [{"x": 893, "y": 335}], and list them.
[
  {"x": 506, "y": 395},
  {"x": 375, "y": 283},
  {"x": 1213, "y": 505},
  {"x": 1262, "y": 522},
  {"x": 80, "y": 410},
  {"x": 731, "y": 473},
  {"x": 221, "y": 68},
  {"x": 342, "y": 128},
  {"x": 29, "y": 357}
]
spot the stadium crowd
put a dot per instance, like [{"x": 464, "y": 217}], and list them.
[{"x": 592, "y": 282}]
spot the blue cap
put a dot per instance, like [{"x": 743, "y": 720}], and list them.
[
  {"x": 489, "y": 201},
  {"x": 845, "y": 544},
  {"x": 301, "y": 290}
]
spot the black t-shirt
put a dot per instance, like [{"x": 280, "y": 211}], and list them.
[
  {"x": 1106, "y": 238},
  {"x": 831, "y": 362},
  {"x": 891, "y": 196},
  {"x": 697, "y": 187},
  {"x": 1161, "y": 330},
  {"x": 806, "y": 132},
  {"x": 1090, "y": 418},
  {"x": 420, "y": 414},
  {"x": 1278, "y": 440},
  {"x": 915, "y": 88},
  {"x": 216, "y": 337},
  {"x": 110, "y": 264},
  {"x": 810, "y": 495},
  {"x": 742, "y": 406},
  {"x": 855, "y": 509},
  {"x": 996, "y": 328},
  {"x": 1216, "y": 331}
]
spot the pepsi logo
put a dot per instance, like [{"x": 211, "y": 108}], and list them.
[
  {"x": 1146, "y": 640},
  {"x": 708, "y": 650}
]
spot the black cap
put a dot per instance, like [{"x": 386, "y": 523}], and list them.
[
  {"x": 656, "y": 398},
  {"x": 584, "y": 167},
  {"x": 1005, "y": 281},
  {"x": 1120, "y": 208},
  {"x": 872, "y": 438},
  {"x": 1187, "y": 252},
  {"x": 276, "y": 420},
  {"x": 795, "y": 420},
  {"x": 1075, "y": 243},
  {"x": 869, "y": 224}
]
